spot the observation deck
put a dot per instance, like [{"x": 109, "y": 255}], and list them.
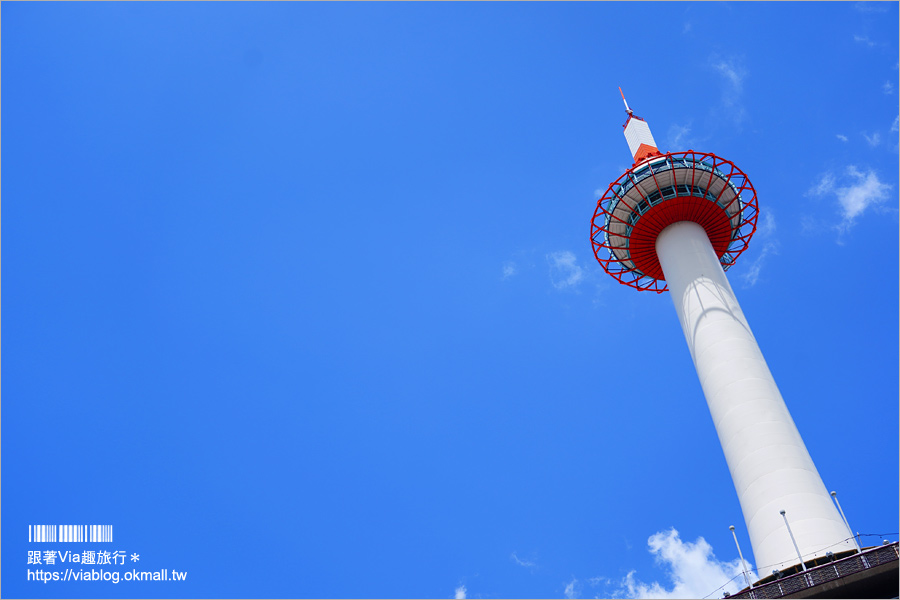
[{"x": 665, "y": 189}]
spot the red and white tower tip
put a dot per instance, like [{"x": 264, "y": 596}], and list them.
[
  {"x": 637, "y": 134},
  {"x": 676, "y": 221}
]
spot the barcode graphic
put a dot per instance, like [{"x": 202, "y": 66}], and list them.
[
  {"x": 70, "y": 533},
  {"x": 101, "y": 533}
]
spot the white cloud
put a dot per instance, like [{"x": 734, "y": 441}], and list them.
[
  {"x": 768, "y": 226},
  {"x": 752, "y": 274},
  {"x": 523, "y": 563},
  {"x": 509, "y": 269},
  {"x": 734, "y": 77},
  {"x": 564, "y": 270},
  {"x": 843, "y": 138},
  {"x": 728, "y": 70},
  {"x": 861, "y": 191},
  {"x": 873, "y": 140},
  {"x": 863, "y": 39},
  {"x": 460, "y": 592},
  {"x": 810, "y": 225},
  {"x": 691, "y": 568},
  {"x": 895, "y": 126},
  {"x": 866, "y": 190},
  {"x": 824, "y": 186},
  {"x": 887, "y": 88},
  {"x": 678, "y": 137},
  {"x": 765, "y": 232},
  {"x": 571, "y": 590},
  {"x": 870, "y": 7}
]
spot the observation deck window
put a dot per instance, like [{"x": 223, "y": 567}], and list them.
[{"x": 661, "y": 166}]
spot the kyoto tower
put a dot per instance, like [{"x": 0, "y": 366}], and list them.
[{"x": 677, "y": 221}]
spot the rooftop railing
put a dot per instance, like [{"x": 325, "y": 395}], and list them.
[
  {"x": 665, "y": 163},
  {"x": 814, "y": 576}
]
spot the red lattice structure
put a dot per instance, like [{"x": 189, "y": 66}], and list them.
[{"x": 666, "y": 189}]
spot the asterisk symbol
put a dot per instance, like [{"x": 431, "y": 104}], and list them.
[{"x": 135, "y": 557}]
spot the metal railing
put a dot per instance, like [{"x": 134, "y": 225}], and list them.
[
  {"x": 665, "y": 163},
  {"x": 814, "y": 576}
]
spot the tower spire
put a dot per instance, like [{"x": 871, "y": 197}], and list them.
[
  {"x": 637, "y": 134},
  {"x": 628, "y": 110}
]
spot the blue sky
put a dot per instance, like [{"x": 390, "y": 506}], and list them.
[{"x": 301, "y": 298}]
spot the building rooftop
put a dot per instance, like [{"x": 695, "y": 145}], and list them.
[{"x": 869, "y": 574}]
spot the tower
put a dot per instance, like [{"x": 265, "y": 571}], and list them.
[{"x": 676, "y": 221}]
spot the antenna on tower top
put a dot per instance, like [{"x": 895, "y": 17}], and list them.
[{"x": 628, "y": 110}]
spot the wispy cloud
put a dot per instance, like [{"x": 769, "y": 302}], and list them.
[
  {"x": 726, "y": 69},
  {"x": 572, "y": 589},
  {"x": 768, "y": 226},
  {"x": 859, "y": 191},
  {"x": 872, "y": 140},
  {"x": 565, "y": 273},
  {"x": 509, "y": 269},
  {"x": 824, "y": 186},
  {"x": 733, "y": 75},
  {"x": 810, "y": 225},
  {"x": 843, "y": 138},
  {"x": 523, "y": 563},
  {"x": 887, "y": 88},
  {"x": 870, "y": 7},
  {"x": 678, "y": 137},
  {"x": 692, "y": 570},
  {"x": 460, "y": 592},
  {"x": 864, "y": 191},
  {"x": 687, "y": 27},
  {"x": 765, "y": 233},
  {"x": 895, "y": 126},
  {"x": 863, "y": 39}
]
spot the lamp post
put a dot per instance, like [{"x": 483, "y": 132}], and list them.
[
  {"x": 850, "y": 531},
  {"x": 741, "y": 554},
  {"x": 790, "y": 533}
]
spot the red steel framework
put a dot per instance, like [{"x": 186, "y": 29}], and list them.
[{"x": 630, "y": 255}]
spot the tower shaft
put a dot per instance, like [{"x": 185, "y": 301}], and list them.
[{"x": 769, "y": 463}]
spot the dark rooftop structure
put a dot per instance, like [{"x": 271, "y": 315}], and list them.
[{"x": 872, "y": 573}]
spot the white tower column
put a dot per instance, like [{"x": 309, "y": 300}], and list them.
[{"x": 770, "y": 466}]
